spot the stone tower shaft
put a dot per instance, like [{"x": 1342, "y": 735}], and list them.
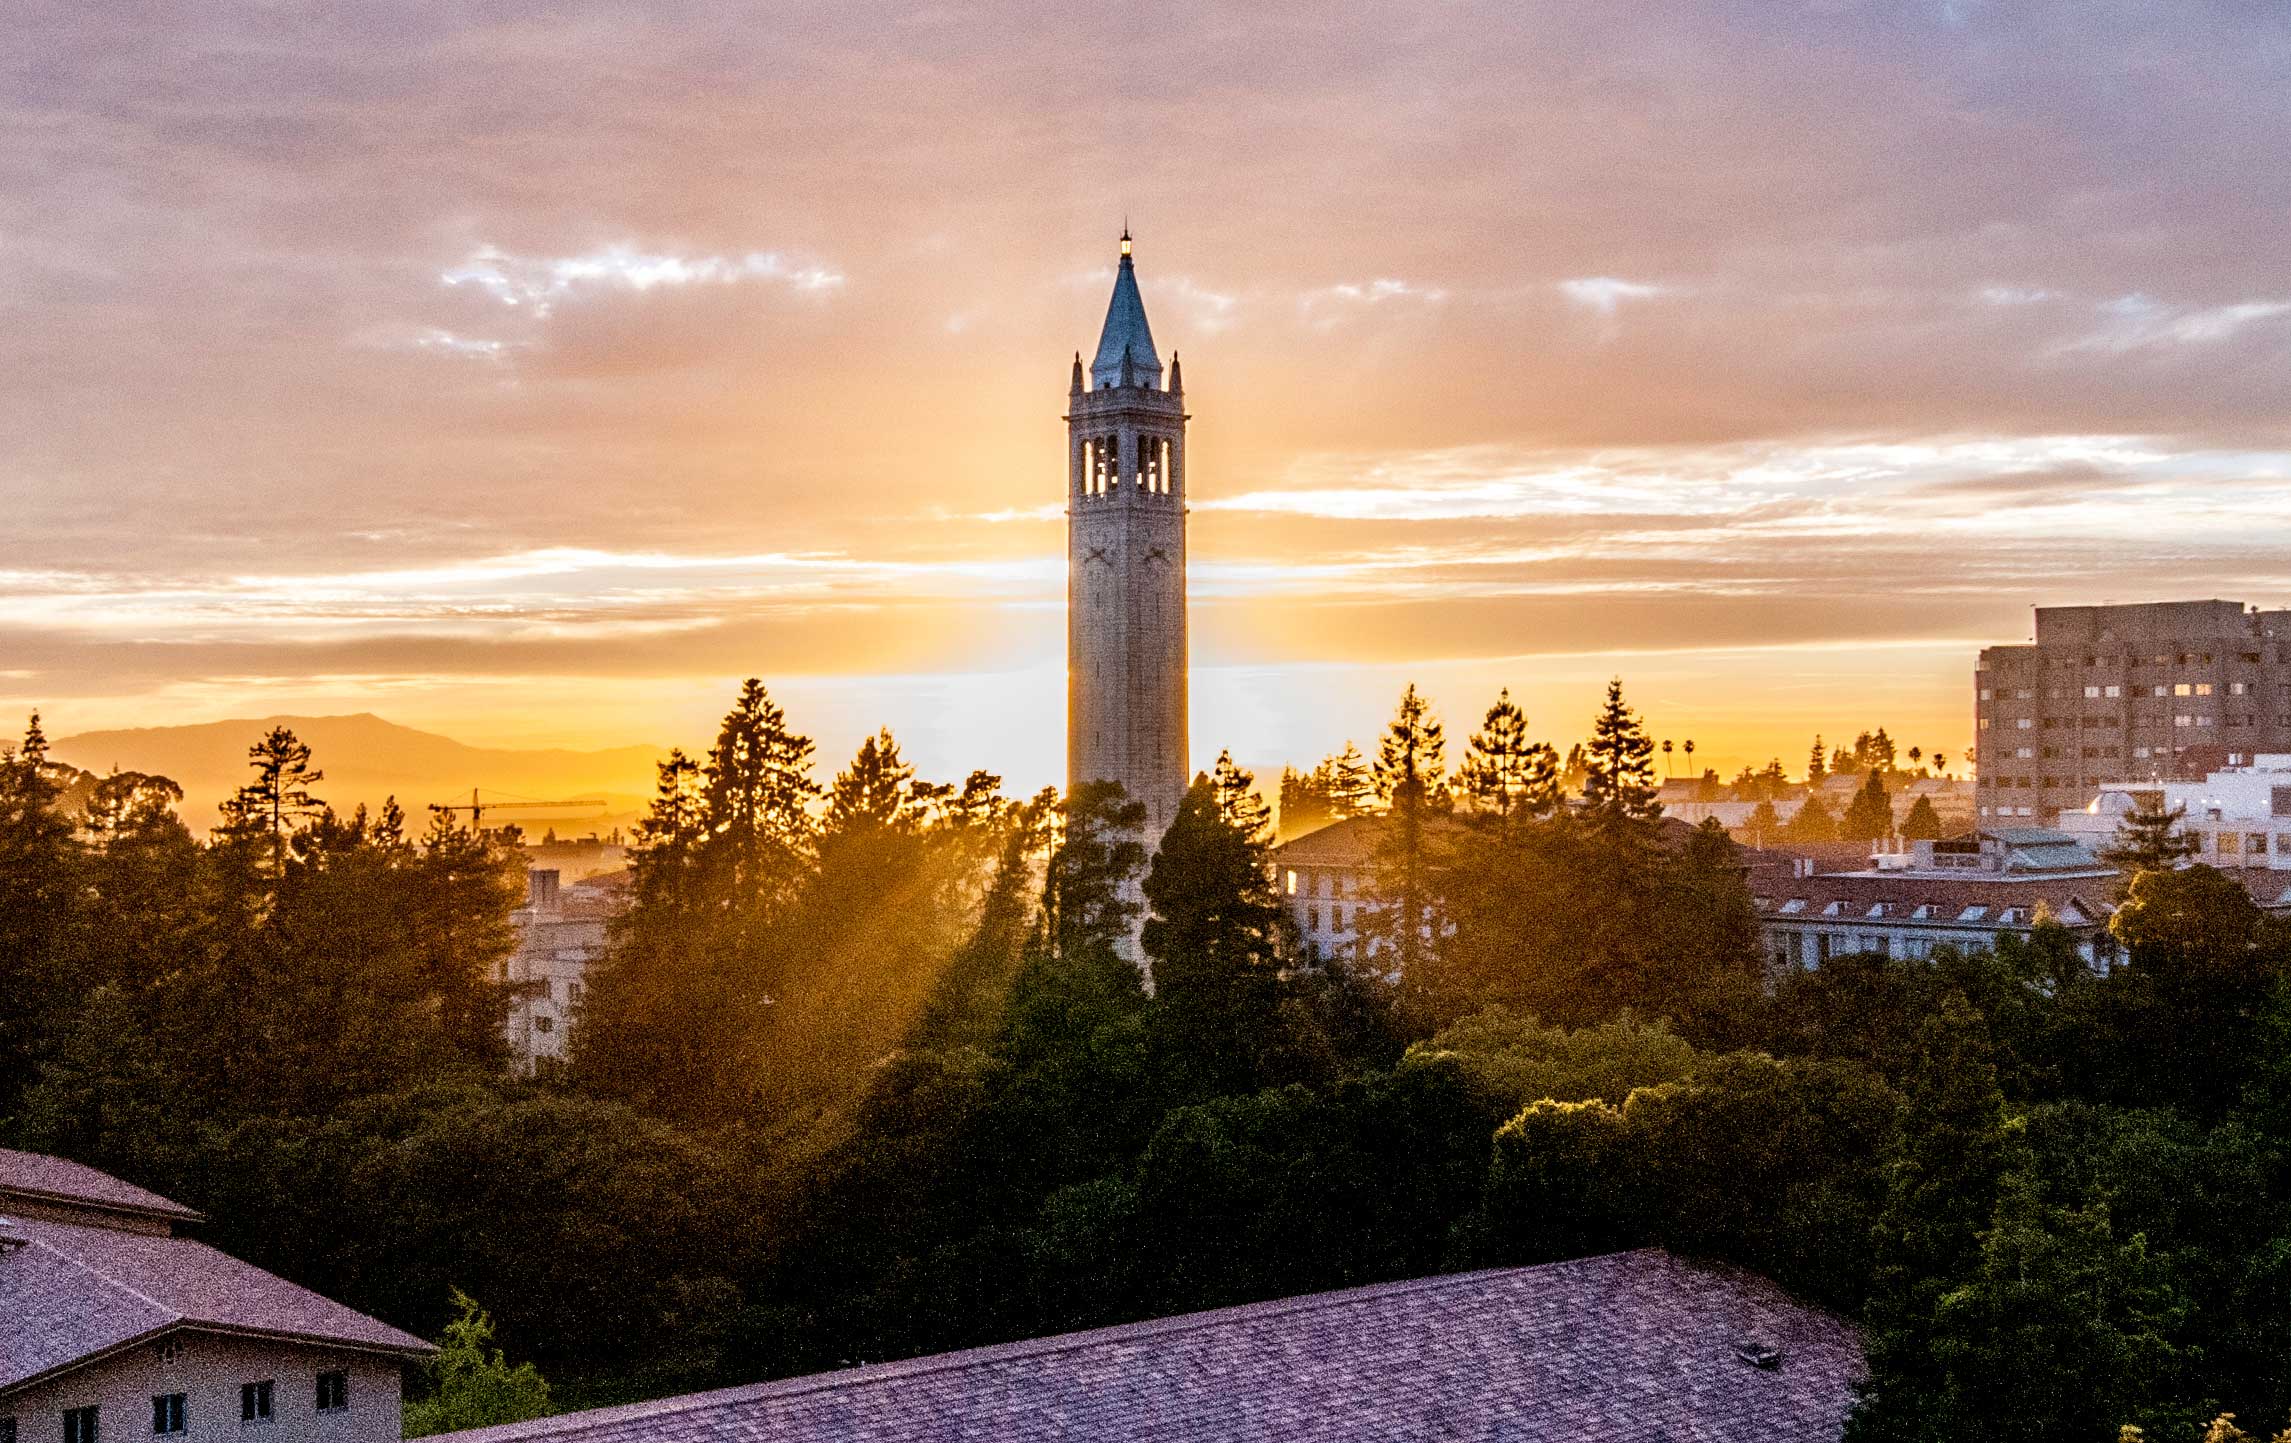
[{"x": 1126, "y": 652}]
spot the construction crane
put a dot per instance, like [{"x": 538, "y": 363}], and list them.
[{"x": 477, "y": 806}]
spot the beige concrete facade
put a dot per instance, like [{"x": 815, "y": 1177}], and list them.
[
  {"x": 210, "y": 1370},
  {"x": 2168, "y": 690}
]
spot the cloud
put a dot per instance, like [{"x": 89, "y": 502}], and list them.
[
  {"x": 1604, "y": 293},
  {"x": 2140, "y": 322},
  {"x": 539, "y": 283}
]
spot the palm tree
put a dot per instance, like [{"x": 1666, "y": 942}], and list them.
[
  {"x": 1666, "y": 757},
  {"x": 1941, "y": 763},
  {"x": 1914, "y": 755}
]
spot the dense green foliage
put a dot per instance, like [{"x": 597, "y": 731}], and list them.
[
  {"x": 869, "y": 1071},
  {"x": 471, "y": 1384}
]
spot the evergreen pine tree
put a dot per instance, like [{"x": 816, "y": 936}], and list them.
[
  {"x": 1619, "y": 785},
  {"x": 758, "y": 791},
  {"x": 1764, "y": 824},
  {"x": 1869, "y": 817},
  {"x": 1812, "y": 822},
  {"x": 268, "y": 811},
  {"x": 2149, "y": 839},
  {"x": 39, "y": 870},
  {"x": 1923, "y": 824},
  {"x": 1817, "y": 764},
  {"x": 876, "y": 794},
  {"x": 1351, "y": 786},
  {"x": 1504, "y": 774},
  {"x": 1240, "y": 804},
  {"x": 1306, "y": 803},
  {"x": 1085, "y": 913},
  {"x": 1411, "y": 780},
  {"x": 1214, "y": 933}
]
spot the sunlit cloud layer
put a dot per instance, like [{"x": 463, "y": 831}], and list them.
[
  {"x": 540, "y": 282},
  {"x": 535, "y": 371}
]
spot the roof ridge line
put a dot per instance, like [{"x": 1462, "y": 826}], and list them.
[
  {"x": 1056, "y": 1343},
  {"x": 123, "y": 1286}
]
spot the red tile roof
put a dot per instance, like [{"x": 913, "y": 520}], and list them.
[{"x": 1628, "y": 1348}]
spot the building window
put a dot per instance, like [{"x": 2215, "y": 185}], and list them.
[
  {"x": 333, "y": 1392},
  {"x": 254, "y": 1402},
  {"x": 544, "y": 1024},
  {"x": 82, "y": 1425},
  {"x": 1312, "y": 919},
  {"x": 573, "y": 992},
  {"x": 167, "y": 1414}
]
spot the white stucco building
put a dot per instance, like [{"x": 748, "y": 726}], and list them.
[
  {"x": 2239, "y": 817},
  {"x": 113, "y": 1327},
  {"x": 560, "y": 936}
]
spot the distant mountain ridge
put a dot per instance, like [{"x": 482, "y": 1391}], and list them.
[{"x": 367, "y": 758}]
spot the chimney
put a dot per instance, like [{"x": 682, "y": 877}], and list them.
[{"x": 541, "y": 888}]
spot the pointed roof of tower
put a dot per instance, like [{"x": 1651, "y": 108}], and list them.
[{"x": 1126, "y": 331}]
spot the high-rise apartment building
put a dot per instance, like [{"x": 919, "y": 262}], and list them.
[{"x": 2160, "y": 690}]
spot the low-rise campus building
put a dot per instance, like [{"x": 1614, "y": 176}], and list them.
[
  {"x": 113, "y": 1327},
  {"x": 1961, "y": 892},
  {"x": 2237, "y": 817},
  {"x": 1638, "y": 1345},
  {"x": 1325, "y": 878}
]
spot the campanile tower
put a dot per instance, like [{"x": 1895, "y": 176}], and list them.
[{"x": 1125, "y": 564}]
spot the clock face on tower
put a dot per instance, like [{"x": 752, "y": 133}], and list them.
[{"x": 1126, "y": 615}]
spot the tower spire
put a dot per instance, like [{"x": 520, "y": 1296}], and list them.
[{"x": 1126, "y": 329}]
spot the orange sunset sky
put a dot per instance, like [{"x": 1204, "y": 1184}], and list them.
[{"x": 530, "y": 373}]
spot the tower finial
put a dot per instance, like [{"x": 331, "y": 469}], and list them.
[
  {"x": 1125, "y": 237},
  {"x": 1077, "y": 373},
  {"x": 1176, "y": 376}
]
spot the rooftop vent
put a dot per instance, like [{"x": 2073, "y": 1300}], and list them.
[{"x": 1763, "y": 1356}]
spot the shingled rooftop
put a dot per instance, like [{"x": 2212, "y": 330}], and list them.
[
  {"x": 1628, "y": 1348},
  {"x": 90, "y": 1267}
]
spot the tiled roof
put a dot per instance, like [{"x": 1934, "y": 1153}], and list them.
[
  {"x": 1347, "y": 843},
  {"x": 2078, "y": 899},
  {"x": 72, "y": 1292},
  {"x": 37, "y": 1176},
  {"x": 2075, "y": 900},
  {"x": 1628, "y": 1348}
]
